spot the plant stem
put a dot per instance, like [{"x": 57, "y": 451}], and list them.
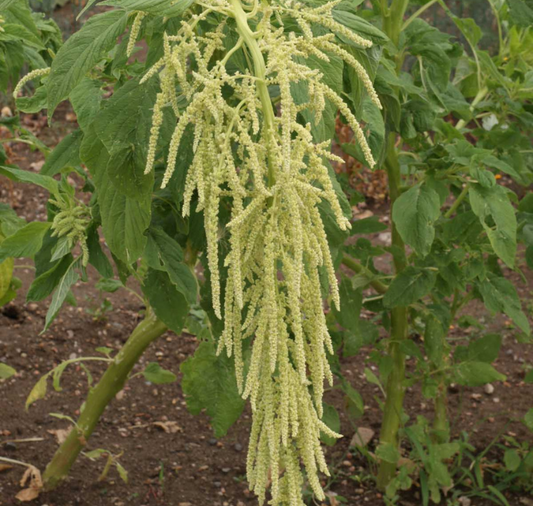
[
  {"x": 259, "y": 71},
  {"x": 481, "y": 94},
  {"x": 457, "y": 202},
  {"x": 418, "y": 13},
  {"x": 99, "y": 397},
  {"x": 355, "y": 266},
  {"x": 395, "y": 389}
]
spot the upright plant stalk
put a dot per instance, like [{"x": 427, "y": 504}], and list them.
[
  {"x": 395, "y": 389},
  {"x": 99, "y": 397}
]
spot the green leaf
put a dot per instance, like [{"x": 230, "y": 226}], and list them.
[
  {"x": 65, "y": 154},
  {"x": 409, "y": 286},
  {"x": 124, "y": 220},
  {"x": 167, "y": 8},
  {"x": 332, "y": 420},
  {"x": 25, "y": 242},
  {"x": 6, "y": 371},
  {"x": 155, "y": 374},
  {"x": 353, "y": 401},
  {"x": 125, "y": 170},
  {"x": 411, "y": 349},
  {"x": 437, "y": 321},
  {"x": 168, "y": 303},
  {"x": 86, "y": 98},
  {"x": 370, "y": 225},
  {"x": 388, "y": 453},
  {"x": 359, "y": 25},
  {"x": 372, "y": 378},
  {"x": 351, "y": 302},
  {"x": 45, "y": 284},
  {"x": 115, "y": 127},
  {"x": 109, "y": 285},
  {"x": 521, "y": 13},
  {"x": 61, "y": 293},
  {"x": 122, "y": 472},
  {"x": 97, "y": 257},
  {"x": 493, "y": 203},
  {"x": 512, "y": 460},
  {"x": 414, "y": 214},
  {"x": 37, "y": 102},
  {"x": 332, "y": 72},
  {"x": 486, "y": 349},
  {"x": 23, "y": 176},
  {"x": 499, "y": 295},
  {"x": 209, "y": 383},
  {"x": 4, "y": 4},
  {"x": 38, "y": 391},
  {"x": 81, "y": 52},
  {"x": 9, "y": 221},
  {"x": 171, "y": 255},
  {"x": 475, "y": 374}
]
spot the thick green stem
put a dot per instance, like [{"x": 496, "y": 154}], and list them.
[
  {"x": 395, "y": 389},
  {"x": 441, "y": 425},
  {"x": 99, "y": 397}
]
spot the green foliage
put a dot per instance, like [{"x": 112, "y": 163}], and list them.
[{"x": 209, "y": 383}]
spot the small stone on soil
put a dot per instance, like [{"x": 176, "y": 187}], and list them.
[
  {"x": 489, "y": 389},
  {"x": 212, "y": 441},
  {"x": 10, "y": 447}
]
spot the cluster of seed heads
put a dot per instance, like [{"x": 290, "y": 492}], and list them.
[
  {"x": 265, "y": 160},
  {"x": 71, "y": 222}
]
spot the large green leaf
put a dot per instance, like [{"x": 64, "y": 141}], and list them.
[
  {"x": 165, "y": 8},
  {"x": 500, "y": 295},
  {"x": 4, "y": 4},
  {"x": 25, "y": 242},
  {"x": 61, "y": 293},
  {"x": 24, "y": 176},
  {"x": 359, "y": 25},
  {"x": 474, "y": 374},
  {"x": 124, "y": 219},
  {"x": 81, "y": 52},
  {"x": 86, "y": 98},
  {"x": 521, "y": 12},
  {"x": 65, "y": 154},
  {"x": 171, "y": 255},
  {"x": 409, "y": 286},
  {"x": 168, "y": 303},
  {"x": 46, "y": 283},
  {"x": 485, "y": 349},
  {"x": 497, "y": 215},
  {"x": 414, "y": 213},
  {"x": 209, "y": 383},
  {"x": 127, "y": 140}
]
